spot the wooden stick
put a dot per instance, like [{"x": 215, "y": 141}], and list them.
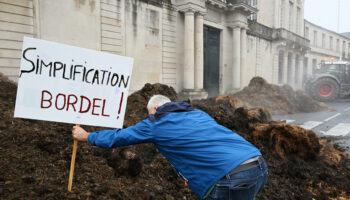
[{"x": 72, "y": 163}]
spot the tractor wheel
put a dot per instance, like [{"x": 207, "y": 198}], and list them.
[{"x": 325, "y": 89}]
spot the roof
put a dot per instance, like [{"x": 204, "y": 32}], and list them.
[
  {"x": 339, "y": 34},
  {"x": 347, "y": 34}
]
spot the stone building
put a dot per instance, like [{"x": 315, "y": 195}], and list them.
[
  {"x": 325, "y": 45},
  {"x": 199, "y": 47}
]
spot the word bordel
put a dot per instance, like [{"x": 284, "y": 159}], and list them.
[{"x": 81, "y": 104}]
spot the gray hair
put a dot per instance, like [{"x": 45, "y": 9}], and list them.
[{"x": 157, "y": 100}]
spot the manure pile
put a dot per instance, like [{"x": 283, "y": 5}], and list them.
[
  {"x": 279, "y": 100},
  {"x": 35, "y": 156}
]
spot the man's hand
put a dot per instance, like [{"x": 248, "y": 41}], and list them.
[{"x": 80, "y": 134}]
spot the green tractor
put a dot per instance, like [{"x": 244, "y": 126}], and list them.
[{"x": 330, "y": 81}]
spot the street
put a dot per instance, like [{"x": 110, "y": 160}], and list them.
[{"x": 334, "y": 123}]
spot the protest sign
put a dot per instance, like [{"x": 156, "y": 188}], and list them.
[{"x": 69, "y": 84}]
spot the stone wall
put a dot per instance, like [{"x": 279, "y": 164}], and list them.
[
  {"x": 70, "y": 22},
  {"x": 169, "y": 50},
  {"x": 112, "y": 29},
  {"x": 144, "y": 30},
  {"x": 16, "y": 21},
  {"x": 259, "y": 59},
  {"x": 143, "y": 39}
]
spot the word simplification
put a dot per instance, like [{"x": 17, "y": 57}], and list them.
[{"x": 75, "y": 72}]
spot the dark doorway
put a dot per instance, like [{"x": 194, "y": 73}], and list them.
[{"x": 211, "y": 60}]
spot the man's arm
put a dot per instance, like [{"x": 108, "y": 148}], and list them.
[{"x": 140, "y": 133}]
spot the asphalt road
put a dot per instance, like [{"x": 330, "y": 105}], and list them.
[{"x": 332, "y": 123}]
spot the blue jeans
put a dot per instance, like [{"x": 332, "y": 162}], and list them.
[{"x": 243, "y": 185}]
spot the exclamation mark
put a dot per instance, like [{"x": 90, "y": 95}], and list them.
[{"x": 120, "y": 104}]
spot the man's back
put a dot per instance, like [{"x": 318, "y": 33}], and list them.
[{"x": 199, "y": 148}]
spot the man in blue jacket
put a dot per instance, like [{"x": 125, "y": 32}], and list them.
[{"x": 216, "y": 162}]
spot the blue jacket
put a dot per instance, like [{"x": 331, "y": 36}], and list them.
[{"x": 199, "y": 148}]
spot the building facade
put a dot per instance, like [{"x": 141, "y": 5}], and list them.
[
  {"x": 199, "y": 47},
  {"x": 325, "y": 45}
]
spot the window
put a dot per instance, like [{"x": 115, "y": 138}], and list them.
[
  {"x": 323, "y": 40},
  {"x": 331, "y": 42},
  {"x": 297, "y": 25},
  {"x": 315, "y": 38},
  {"x": 307, "y": 32},
  {"x": 338, "y": 46},
  {"x": 349, "y": 51},
  {"x": 343, "y": 49},
  {"x": 253, "y": 3},
  {"x": 347, "y": 71},
  {"x": 283, "y": 10},
  {"x": 332, "y": 68},
  {"x": 291, "y": 5}
]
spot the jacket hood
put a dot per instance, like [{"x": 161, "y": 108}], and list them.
[{"x": 169, "y": 108}]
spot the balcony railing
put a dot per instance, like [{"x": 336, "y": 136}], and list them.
[
  {"x": 222, "y": 1},
  {"x": 260, "y": 30},
  {"x": 237, "y": 1},
  {"x": 283, "y": 34},
  {"x": 271, "y": 34}
]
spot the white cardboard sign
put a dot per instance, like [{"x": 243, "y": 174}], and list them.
[{"x": 69, "y": 84}]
